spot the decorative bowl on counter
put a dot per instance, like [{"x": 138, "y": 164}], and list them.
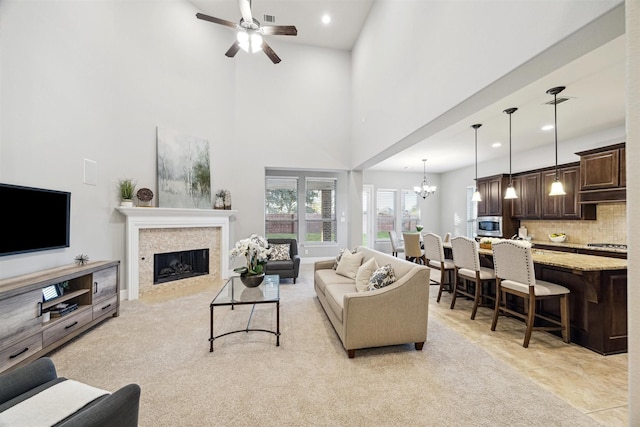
[{"x": 557, "y": 237}]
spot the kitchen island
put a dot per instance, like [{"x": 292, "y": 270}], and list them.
[{"x": 598, "y": 301}]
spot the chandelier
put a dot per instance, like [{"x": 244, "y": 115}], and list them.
[{"x": 424, "y": 190}]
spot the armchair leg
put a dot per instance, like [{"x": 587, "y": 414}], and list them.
[{"x": 419, "y": 345}]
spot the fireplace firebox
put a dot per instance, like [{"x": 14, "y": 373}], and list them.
[{"x": 171, "y": 266}]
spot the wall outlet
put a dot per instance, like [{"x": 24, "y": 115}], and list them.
[{"x": 306, "y": 251}]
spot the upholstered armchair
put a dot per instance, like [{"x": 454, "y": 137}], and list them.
[{"x": 283, "y": 262}]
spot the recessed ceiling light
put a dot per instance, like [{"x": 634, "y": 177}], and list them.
[
  {"x": 326, "y": 18},
  {"x": 496, "y": 144}
]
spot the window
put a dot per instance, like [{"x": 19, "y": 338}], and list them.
[
  {"x": 385, "y": 213},
  {"x": 281, "y": 208},
  {"x": 410, "y": 210},
  {"x": 472, "y": 213},
  {"x": 320, "y": 210}
]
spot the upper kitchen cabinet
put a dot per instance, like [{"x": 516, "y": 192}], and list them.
[
  {"x": 527, "y": 205},
  {"x": 603, "y": 175},
  {"x": 534, "y": 202},
  {"x": 490, "y": 189},
  {"x": 567, "y": 206}
]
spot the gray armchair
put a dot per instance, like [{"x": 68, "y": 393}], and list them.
[
  {"x": 117, "y": 409},
  {"x": 286, "y": 269}
]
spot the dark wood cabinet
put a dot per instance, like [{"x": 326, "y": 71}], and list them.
[
  {"x": 567, "y": 206},
  {"x": 603, "y": 175},
  {"x": 534, "y": 202},
  {"x": 527, "y": 205},
  {"x": 490, "y": 190},
  {"x": 600, "y": 170}
]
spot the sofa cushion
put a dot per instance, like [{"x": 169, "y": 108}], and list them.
[
  {"x": 382, "y": 277},
  {"x": 349, "y": 264},
  {"x": 280, "y": 252},
  {"x": 329, "y": 277},
  {"x": 364, "y": 274},
  {"x": 280, "y": 265},
  {"x": 335, "y": 297}
]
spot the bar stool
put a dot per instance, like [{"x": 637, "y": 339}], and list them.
[
  {"x": 434, "y": 254},
  {"x": 515, "y": 275},
  {"x": 412, "y": 250},
  {"x": 467, "y": 267}
]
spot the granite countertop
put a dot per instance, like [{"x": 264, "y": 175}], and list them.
[
  {"x": 576, "y": 246},
  {"x": 572, "y": 261}
]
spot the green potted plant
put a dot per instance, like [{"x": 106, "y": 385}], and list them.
[{"x": 127, "y": 189}]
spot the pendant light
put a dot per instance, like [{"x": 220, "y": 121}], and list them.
[
  {"x": 424, "y": 190},
  {"x": 511, "y": 192},
  {"x": 556, "y": 188},
  {"x": 476, "y": 194}
]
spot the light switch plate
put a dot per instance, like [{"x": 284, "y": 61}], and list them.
[{"x": 90, "y": 172}]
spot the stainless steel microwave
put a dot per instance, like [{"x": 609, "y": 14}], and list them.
[{"x": 489, "y": 226}]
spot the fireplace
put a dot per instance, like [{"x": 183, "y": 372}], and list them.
[{"x": 171, "y": 266}]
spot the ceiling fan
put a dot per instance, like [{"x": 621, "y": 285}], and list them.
[{"x": 250, "y": 32}]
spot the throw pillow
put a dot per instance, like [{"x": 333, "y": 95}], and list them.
[
  {"x": 364, "y": 274},
  {"x": 349, "y": 264},
  {"x": 335, "y": 264},
  {"x": 280, "y": 252},
  {"x": 382, "y": 277}
]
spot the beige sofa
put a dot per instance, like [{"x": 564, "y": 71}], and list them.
[{"x": 395, "y": 314}]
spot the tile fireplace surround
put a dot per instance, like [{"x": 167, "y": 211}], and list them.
[{"x": 165, "y": 222}]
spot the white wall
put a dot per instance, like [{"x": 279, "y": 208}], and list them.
[
  {"x": 94, "y": 79},
  {"x": 416, "y": 60}
]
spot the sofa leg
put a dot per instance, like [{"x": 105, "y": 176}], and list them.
[
  {"x": 294, "y": 280},
  {"x": 351, "y": 353},
  {"x": 419, "y": 345}
]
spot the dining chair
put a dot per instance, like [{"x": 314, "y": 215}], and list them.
[
  {"x": 396, "y": 246},
  {"x": 434, "y": 254},
  {"x": 412, "y": 250},
  {"x": 467, "y": 267},
  {"x": 515, "y": 275}
]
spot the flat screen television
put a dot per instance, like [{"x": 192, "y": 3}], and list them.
[{"x": 33, "y": 219}]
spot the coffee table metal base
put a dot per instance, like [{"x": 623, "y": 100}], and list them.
[{"x": 248, "y": 329}]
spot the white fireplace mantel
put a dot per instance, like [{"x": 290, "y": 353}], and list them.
[{"x": 138, "y": 218}]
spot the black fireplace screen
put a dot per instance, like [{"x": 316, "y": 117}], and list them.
[{"x": 180, "y": 265}]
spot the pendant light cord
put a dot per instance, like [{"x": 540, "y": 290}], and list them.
[
  {"x": 510, "y": 178},
  {"x": 555, "y": 129}
]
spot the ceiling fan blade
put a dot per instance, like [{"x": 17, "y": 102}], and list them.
[
  {"x": 270, "y": 53},
  {"x": 216, "y": 20},
  {"x": 233, "y": 49},
  {"x": 245, "y": 10},
  {"x": 279, "y": 30}
]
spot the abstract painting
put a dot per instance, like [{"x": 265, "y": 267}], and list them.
[{"x": 184, "y": 177}]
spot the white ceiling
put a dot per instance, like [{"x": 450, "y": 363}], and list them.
[{"x": 595, "y": 85}]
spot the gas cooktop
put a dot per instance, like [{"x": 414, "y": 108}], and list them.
[{"x": 607, "y": 245}]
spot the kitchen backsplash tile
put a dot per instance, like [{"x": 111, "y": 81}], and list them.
[{"x": 610, "y": 226}]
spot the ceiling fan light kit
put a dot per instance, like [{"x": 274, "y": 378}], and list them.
[{"x": 250, "y": 32}]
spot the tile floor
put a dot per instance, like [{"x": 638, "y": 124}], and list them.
[{"x": 592, "y": 383}]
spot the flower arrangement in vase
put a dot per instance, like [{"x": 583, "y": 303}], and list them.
[{"x": 256, "y": 251}]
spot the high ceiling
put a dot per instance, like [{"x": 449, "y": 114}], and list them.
[{"x": 595, "y": 88}]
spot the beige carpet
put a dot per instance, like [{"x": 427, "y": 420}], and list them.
[{"x": 163, "y": 346}]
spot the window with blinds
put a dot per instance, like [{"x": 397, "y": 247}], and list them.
[
  {"x": 385, "y": 213},
  {"x": 281, "y": 208},
  {"x": 410, "y": 210},
  {"x": 320, "y": 210}
]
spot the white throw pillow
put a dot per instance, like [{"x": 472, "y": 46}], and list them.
[
  {"x": 364, "y": 274},
  {"x": 349, "y": 264}
]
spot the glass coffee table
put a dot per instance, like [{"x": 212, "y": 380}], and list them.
[{"x": 234, "y": 292}]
